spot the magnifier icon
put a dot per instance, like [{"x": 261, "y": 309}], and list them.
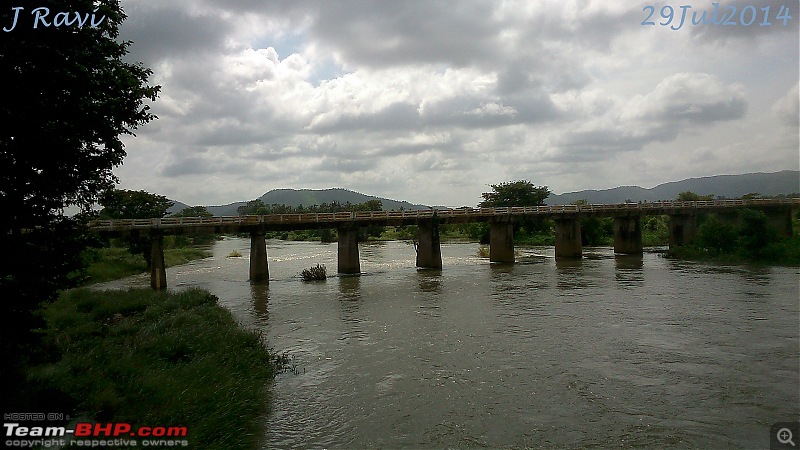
[{"x": 785, "y": 436}]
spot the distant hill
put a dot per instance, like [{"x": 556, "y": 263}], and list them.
[
  {"x": 306, "y": 197},
  {"x": 725, "y": 186},
  {"x": 176, "y": 207}
]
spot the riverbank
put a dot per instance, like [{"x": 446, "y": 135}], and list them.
[
  {"x": 113, "y": 263},
  {"x": 152, "y": 358}
]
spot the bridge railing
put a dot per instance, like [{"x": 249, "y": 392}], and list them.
[{"x": 477, "y": 213}]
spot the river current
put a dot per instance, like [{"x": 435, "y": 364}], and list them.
[{"x": 606, "y": 351}]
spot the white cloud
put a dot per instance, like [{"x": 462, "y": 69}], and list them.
[
  {"x": 787, "y": 108},
  {"x": 432, "y": 101}
]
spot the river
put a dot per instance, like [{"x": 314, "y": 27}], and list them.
[{"x": 605, "y": 351}]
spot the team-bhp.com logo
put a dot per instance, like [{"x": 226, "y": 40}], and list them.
[{"x": 114, "y": 434}]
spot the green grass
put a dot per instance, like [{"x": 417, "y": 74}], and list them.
[
  {"x": 155, "y": 358},
  {"x": 112, "y": 263}
]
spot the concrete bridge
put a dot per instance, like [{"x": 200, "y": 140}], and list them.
[{"x": 627, "y": 228}]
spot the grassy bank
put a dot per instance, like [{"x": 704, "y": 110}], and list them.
[
  {"x": 155, "y": 359},
  {"x": 111, "y": 263}
]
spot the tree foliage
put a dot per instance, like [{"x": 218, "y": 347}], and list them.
[
  {"x": 69, "y": 98},
  {"x": 689, "y": 196},
  {"x": 519, "y": 193},
  {"x": 515, "y": 193},
  {"x": 193, "y": 211},
  {"x": 258, "y": 207},
  {"x": 127, "y": 204}
]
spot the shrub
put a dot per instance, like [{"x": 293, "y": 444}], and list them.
[{"x": 314, "y": 273}]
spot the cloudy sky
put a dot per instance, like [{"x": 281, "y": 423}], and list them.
[{"x": 432, "y": 101}]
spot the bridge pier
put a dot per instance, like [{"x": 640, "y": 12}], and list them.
[
  {"x": 682, "y": 228},
  {"x": 501, "y": 241},
  {"x": 158, "y": 270},
  {"x": 348, "y": 250},
  {"x": 780, "y": 219},
  {"x": 429, "y": 252},
  {"x": 259, "y": 267},
  {"x": 628, "y": 235},
  {"x": 568, "y": 238}
]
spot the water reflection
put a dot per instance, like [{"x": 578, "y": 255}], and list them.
[
  {"x": 628, "y": 270},
  {"x": 430, "y": 280},
  {"x": 260, "y": 295},
  {"x": 349, "y": 288},
  {"x": 569, "y": 274},
  {"x": 758, "y": 276}
]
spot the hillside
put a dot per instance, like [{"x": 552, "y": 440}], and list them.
[
  {"x": 309, "y": 197},
  {"x": 725, "y": 186}
]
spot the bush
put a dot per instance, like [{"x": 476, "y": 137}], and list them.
[
  {"x": 149, "y": 357},
  {"x": 317, "y": 272}
]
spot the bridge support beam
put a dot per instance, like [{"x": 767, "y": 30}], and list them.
[
  {"x": 682, "y": 228},
  {"x": 501, "y": 241},
  {"x": 628, "y": 235},
  {"x": 568, "y": 238},
  {"x": 348, "y": 250},
  {"x": 259, "y": 267},
  {"x": 158, "y": 271},
  {"x": 429, "y": 252}
]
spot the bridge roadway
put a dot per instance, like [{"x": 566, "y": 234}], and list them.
[{"x": 627, "y": 228}]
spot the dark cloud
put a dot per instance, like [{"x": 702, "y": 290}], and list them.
[
  {"x": 168, "y": 30},
  {"x": 388, "y": 33}
]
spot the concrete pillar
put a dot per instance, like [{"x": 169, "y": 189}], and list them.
[
  {"x": 682, "y": 228},
  {"x": 158, "y": 270},
  {"x": 568, "y": 238},
  {"x": 429, "y": 252},
  {"x": 348, "y": 250},
  {"x": 780, "y": 219},
  {"x": 259, "y": 267},
  {"x": 628, "y": 235},
  {"x": 501, "y": 242}
]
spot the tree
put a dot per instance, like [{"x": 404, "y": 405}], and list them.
[
  {"x": 515, "y": 193},
  {"x": 253, "y": 207},
  {"x": 126, "y": 204},
  {"x": 519, "y": 193},
  {"x": 69, "y": 96},
  {"x": 689, "y": 196},
  {"x": 193, "y": 211},
  {"x": 595, "y": 230}
]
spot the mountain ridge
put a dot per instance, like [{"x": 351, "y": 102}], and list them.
[{"x": 725, "y": 186}]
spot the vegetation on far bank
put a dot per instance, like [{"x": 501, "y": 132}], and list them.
[
  {"x": 746, "y": 237},
  {"x": 743, "y": 236},
  {"x": 154, "y": 358},
  {"x": 116, "y": 260}
]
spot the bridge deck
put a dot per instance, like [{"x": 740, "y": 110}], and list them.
[{"x": 333, "y": 220}]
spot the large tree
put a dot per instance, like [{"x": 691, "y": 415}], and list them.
[
  {"x": 68, "y": 97},
  {"x": 518, "y": 193},
  {"x": 514, "y": 193},
  {"x": 128, "y": 204}
]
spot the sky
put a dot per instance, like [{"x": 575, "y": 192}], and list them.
[{"x": 434, "y": 101}]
